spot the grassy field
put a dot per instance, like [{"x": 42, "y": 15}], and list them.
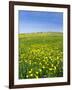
[{"x": 40, "y": 55}]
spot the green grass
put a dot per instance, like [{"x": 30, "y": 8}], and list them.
[{"x": 40, "y": 55}]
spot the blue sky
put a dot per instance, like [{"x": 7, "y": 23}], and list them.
[{"x": 39, "y": 21}]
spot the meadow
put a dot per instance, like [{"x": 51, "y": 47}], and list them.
[{"x": 40, "y": 55}]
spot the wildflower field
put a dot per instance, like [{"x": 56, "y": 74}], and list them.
[{"x": 40, "y": 55}]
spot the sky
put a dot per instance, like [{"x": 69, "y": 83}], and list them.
[{"x": 40, "y": 21}]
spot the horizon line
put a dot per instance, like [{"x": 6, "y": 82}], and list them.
[{"x": 39, "y": 32}]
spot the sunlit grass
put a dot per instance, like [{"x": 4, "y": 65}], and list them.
[{"x": 40, "y": 55}]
